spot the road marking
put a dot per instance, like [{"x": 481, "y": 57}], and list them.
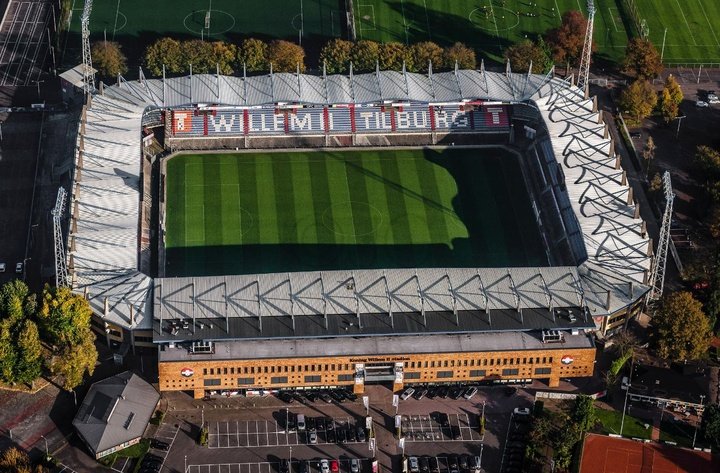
[{"x": 682, "y": 12}]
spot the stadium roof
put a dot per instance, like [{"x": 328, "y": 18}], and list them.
[
  {"x": 115, "y": 410},
  {"x": 104, "y": 240},
  {"x": 368, "y": 302},
  {"x": 439, "y": 343}
]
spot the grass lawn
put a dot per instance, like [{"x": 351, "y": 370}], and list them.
[
  {"x": 633, "y": 427},
  {"x": 135, "y": 23},
  {"x": 274, "y": 212},
  {"x": 489, "y": 26},
  {"x": 133, "y": 451},
  {"x": 693, "y": 28}
]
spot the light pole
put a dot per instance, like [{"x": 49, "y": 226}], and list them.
[
  {"x": 185, "y": 470},
  {"x": 47, "y": 452},
  {"x": 74, "y": 397},
  {"x": 627, "y": 391},
  {"x": 702, "y": 396},
  {"x": 679, "y": 119}
]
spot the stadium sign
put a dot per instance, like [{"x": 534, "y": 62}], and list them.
[
  {"x": 567, "y": 360},
  {"x": 187, "y": 372}
]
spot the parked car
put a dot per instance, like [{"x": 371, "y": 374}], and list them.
[
  {"x": 455, "y": 392},
  {"x": 324, "y": 466},
  {"x": 334, "y": 466},
  {"x": 284, "y": 466},
  {"x": 331, "y": 437},
  {"x": 285, "y": 397},
  {"x": 413, "y": 465},
  {"x": 434, "y": 465},
  {"x": 432, "y": 392},
  {"x": 470, "y": 392},
  {"x": 522, "y": 411},
  {"x": 19, "y": 268},
  {"x": 326, "y": 397},
  {"x": 420, "y": 393},
  {"x": 351, "y": 395},
  {"x": 2, "y": 267},
  {"x": 312, "y": 438},
  {"x": 354, "y": 465},
  {"x": 304, "y": 466},
  {"x": 464, "y": 461},
  {"x": 351, "y": 434},
  {"x": 443, "y": 391},
  {"x": 407, "y": 393},
  {"x": 361, "y": 434},
  {"x": 424, "y": 463},
  {"x": 159, "y": 445},
  {"x": 699, "y": 103}
]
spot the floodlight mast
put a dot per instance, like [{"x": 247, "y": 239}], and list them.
[
  {"x": 657, "y": 275},
  {"x": 61, "y": 271},
  {"x": 88, "y": 71},
  {"x": 584, "y": 73}
]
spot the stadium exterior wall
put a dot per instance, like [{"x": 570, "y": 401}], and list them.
[{"x": 410, "y": 368}]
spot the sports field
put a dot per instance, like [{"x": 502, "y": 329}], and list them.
[
  {"x": 693, "y": 29},
  {"x": 136, "y": 23},
  {"x": 275, "y": 212},
  {"x": 489, "y": 26}
]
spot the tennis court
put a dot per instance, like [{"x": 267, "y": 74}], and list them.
[
  {"x": 275, "y": 212},
  {"x": 490, "y": 26}
]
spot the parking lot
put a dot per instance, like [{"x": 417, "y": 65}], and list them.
[
  {"x": 441, "y": 427},
  {"x": 268, "y": 433},
  {"x": 515, "y": 442},
  {"x": 313, "y": 466}
]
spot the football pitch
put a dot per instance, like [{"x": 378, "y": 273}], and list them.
[{"x": 322, "y": 210}]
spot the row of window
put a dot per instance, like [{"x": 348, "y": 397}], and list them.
[
  {"x": 348, "y": 377},
  {"x": 278, "y": 369},
  {"x": 479, "y": 362}
]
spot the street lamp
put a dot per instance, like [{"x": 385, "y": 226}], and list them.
[
  {"x": 679, "y": 119},
  {"x": 702, "y": 396},
  {"x": 47, "y": 453},
  {"x": 627, "y": 391}
]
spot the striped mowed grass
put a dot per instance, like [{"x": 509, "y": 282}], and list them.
[{"x": 320, "y": 210}]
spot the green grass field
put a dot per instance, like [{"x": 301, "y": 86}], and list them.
[
  {"x": 489, "y": 26},
  {"x": 135, "y": 23},
  {"x": 693, "y": 29},
  {"x": 276, "y": 212}
]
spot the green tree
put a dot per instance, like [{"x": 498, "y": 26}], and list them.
[
  {"x": 670, "y": 99},
  {"x": 648, "y": 153},
  {"x": 167, "y": 52},
  {"x": 712, "y": 306},
  {"x": 109, "y": 59},
  {"x": 523, "y": 53},
  {"x": 73, "y": 361},
  {"x": 64, "y": 317},
  {"x": 583, "y": 412},
  {"x": 365, "y": 55},
  {"x": 681, "y": 329},
  {"x": 253, "y": 54},
  {"x": 200, "y": 54},
  {"x": 285, "y": 56},
  {"x": 224, "y": 55},
  {"x": 710, "y": 425},
  {"x": 567, "y": 40},
  {"x": 642, "y": 60},
  {"x": 14, "y": 460},
  {"x": 8, "y": 352},
  {"x": 336, "y": 56},
  {"x": 29, "y": 361},
  {"x": 462, "y": 54},
  {"x": 708, "y": 160},
  {"x": 392, "y": 55},
  {"x": 638, "y": 99},
  {"x": 423, "y": 53}
]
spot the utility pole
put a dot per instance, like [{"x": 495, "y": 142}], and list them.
[
  {"x": 662, "y": 51},
  {"x": 584, "y": 71},
  {"x": 657, "y": 274}
]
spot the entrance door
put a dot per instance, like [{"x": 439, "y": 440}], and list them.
[{"x": 380, "y": 372}]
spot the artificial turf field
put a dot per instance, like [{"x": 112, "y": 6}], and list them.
[{"x": 294, "y": 211}]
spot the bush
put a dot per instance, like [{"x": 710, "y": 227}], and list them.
[{"x": 203, "y": 439}]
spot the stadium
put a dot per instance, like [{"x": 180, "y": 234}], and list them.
[{"x": 290, "y": 230}]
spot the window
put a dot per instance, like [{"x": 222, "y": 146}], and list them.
[
  {"x": 550, "y": 360},
  {"x": 445, "y": 374},
  {"x": 542, "y": 370},
  {"x": 225, "y": 370},
  {"x": 412, "y": 375},
  {"x": 279, "y": 380},
  {"x": 212, "y": 370},
  {"x": 212, "y": 382},
  {"x": 510, "y": 371},
  {"x": 445, "y": 364},
  {"x": 312, "y": 379},
  {"x": 232, "y": 370},
  {"x": 246, "y": 380},
  {"x": 204, "y": 370},
  {"x": 332, "y": 366},
  {"x": 345, "y": 377},
  {"x": 477, "y": 373}
]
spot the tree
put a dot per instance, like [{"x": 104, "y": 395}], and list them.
[
  {"x": 710, "y": 425},
  {"x": 335, "y": 55},
  {"x": 365, "y": 55},
  {"x": 392, "y": 55},
  {"x": 285, "y": 56},
  {"x": 583, "y": 413},
  {"x": 642, "y": 59},
  {"x": 681, "y": 329},
  {"x": 225, "y": 55},
  {"x": 109, "y": 59},
  {"x": 423, "y": 53},
  {"x": 638, "y": 99},
  {"x": 567, "y": 40},
  {"x": 8, "y": 352},
  {"x": 712, "y": 306},
  {"x": 624, "y": 342},
  {"x": 167, "y": 52},
  {"x": 64, "y": 317},
  {"x": 253, "y": 54},
  {"x": 462, "y": 54},
  {"x": 670, "y": 99},
  {"x": 72, "y": 362},
  {"x": 708, "y": 160},
  {"x": 14, "y": 460},
  {"x": 29, "y": 360},
  {"x": 648, "y": 153},
  {"x": 523, "y": 53},
  {"x": 200, "y": 55}
]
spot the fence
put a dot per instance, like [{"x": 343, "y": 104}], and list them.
[{"x": 351, "y": 20}]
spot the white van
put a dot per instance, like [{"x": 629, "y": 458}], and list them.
[{"x": 301, "y": 423}]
